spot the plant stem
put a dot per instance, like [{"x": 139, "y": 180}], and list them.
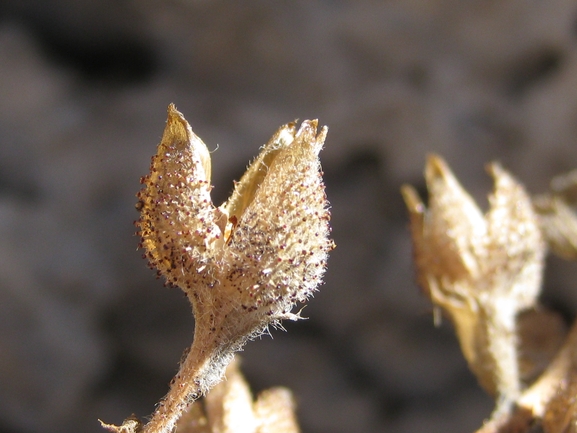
[{"x": 184, "y": 389}]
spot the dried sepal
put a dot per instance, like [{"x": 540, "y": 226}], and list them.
[
  {"x": 246, "y": 188},
  {"x": 280, "y": 240},
  {"x": 177, "y": 214},
  {"x": 243, "y": 265},
  {"x": 275, "y": 411},
  {"x": 559, "y": 223},
  {"x": 482, "y": 270},
  {"x": 515, "y": 249},
  {"x": 229, "y": 408},
  {"x": 557, "y": 215},
  {"x": 565, "y": 187},
  {"x": 193, "y": 420}
]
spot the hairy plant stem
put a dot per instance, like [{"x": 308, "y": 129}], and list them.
[
  {"x": 184, "y": 389},
  {"x": 203, "y": 367},
  {"x": 502, "y": 345}
]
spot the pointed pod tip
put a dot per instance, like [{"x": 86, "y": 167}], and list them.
[
  {"x": 312, "y": 123},
  {"x": 412, "y": 199},
  {"x": 179, "y": 135},
  {"x": 321, "y": 137},
  {"x": 493, "y": 167},
  {"x": 307, "y": 130},
  {"x": 174, "y": 115},
  {"x": 438, "y": 174},
  {"x": 284, "y": 136},
  {"x": 504, "y": 181},
  {"x": 496, "y": 170},
  {"x": 308, "y": 133},
  {"x": 176, "y": 125},
  {"x": 436, "y": 167}
]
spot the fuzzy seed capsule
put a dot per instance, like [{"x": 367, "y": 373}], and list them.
[{"x": 243, "y": 265}]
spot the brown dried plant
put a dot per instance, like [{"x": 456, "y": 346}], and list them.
[
  {"x": 485, "y": 272},
  {"x": 243, "y": 265}
]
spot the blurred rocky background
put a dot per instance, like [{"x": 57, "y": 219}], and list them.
[{"x": 87, "y": 332}]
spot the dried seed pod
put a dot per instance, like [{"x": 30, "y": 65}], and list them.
[
  {"x": 480, "y": 269},
  {"x": 243, "y": 265},
  {"x": 253, "y": 257}
]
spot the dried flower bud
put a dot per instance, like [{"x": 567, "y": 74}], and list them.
[
  {"x": 243, "y": 265},
  {"x": 482, "y": 270}
]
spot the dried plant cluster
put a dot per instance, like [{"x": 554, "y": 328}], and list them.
[
  {"x": 484, "y": 272},
  {"x": 245, "y": 264}
]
